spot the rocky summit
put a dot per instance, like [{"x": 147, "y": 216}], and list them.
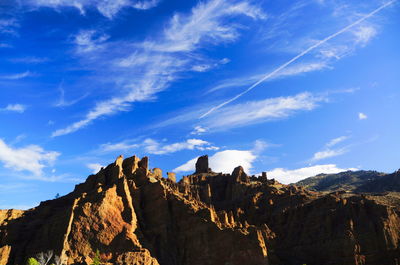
[{"x": 131, "y": 214}]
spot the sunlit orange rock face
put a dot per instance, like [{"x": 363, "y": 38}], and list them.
[{"x": 132, "y": 215}]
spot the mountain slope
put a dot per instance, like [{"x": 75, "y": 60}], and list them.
[
  {"x": 344, "y": 181},
  {"x": 133, "y": 215},
  {"x": 388, "y": 182}
]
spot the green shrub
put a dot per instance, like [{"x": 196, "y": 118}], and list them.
[
  {"x": 96, "y": 259},
  {"x": 32, "y": 261}
]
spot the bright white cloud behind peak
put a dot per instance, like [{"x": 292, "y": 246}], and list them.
[
  {"x": 225, "y": 161},
  {"x": 287, "y": 176}
]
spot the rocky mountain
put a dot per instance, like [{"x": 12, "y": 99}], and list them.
[
  {"x": 133, "y": 215},
  {"x": 343, "y": 181},
  {"x": 387, "y": 183},
  {"x": 354, "y": 181}
]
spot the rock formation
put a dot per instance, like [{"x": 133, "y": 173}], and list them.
[
  {"x": 202, "y": 165},
  {"x": 132, "y": 215}
]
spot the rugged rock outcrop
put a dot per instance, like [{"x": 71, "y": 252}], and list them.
[
  {"x": 202, "y": 165},
  {"x": 133, "y": 215}
]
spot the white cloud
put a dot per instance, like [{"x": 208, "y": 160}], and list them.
[
  {"x": 360, "y": 37},
  {"x": 198, "y": 130},
  {"x": 89, "y": 40},
  {"x": 225, "y": 161},
  {"x": 364, "y": 34},
  {"x": 204, "y": 23},
  {"x": 329, "y": 152},
  {"x": 144, "y": 5},
  {"x": 336, "y": 141},
  {"x": 122, "y": 146},
  {"x": 157, "y": 62},
  {"x": 312, "y": 48},
  {"x": 261, "y": 110},
  {"x": 295, "y": 70},
  {"x": 17, "y": 76},
  {"x": 94, "y": 167},
  {"x": 362, "y": 116},
  {"x": 188, "y": 166},
  {"x": 8, "y": 26},
  {"x": 287, "y": 176},
  {"x": 106, "y": 7},
  {"x": 151, "y": 146},
  {"x": 32, "y": 158},
  {"x": 14, "y": 108}
]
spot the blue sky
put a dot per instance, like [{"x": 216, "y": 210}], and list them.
[{"x": 295, "y": 88}]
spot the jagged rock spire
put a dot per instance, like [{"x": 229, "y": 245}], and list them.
[
  {"x": 202, "y": 165},
  {"x": 239, "y": 175}
]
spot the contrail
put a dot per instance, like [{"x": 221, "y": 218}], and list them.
[{"x": 298, "y": 57}]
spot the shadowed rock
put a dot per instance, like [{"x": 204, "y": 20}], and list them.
[
  {"x": 202, "y": 165},
  {"x": 134, "y": 216},
  {"x": 239, "y": 175}
]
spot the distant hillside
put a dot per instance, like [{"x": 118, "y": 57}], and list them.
[
  {"x": 388, "y": 182},
  {"x": 348, "y": 181}
]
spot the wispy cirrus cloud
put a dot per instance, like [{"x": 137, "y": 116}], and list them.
[
  {"x": 295, "y": 70},
  {"x": 17, "y": 76},
  {"x": 146, "y": 4},
  {"x": 8, "y": 26},
  {"x": 154, "y": 147},
  {"x": 336, "y": 141},
  {"x": 261, "y": 110},
  {"x": 62, "y": 102},
  {"x": 151, "y": 146},
  {"x": 362, "y": 36},
  {"x": 158, "y": 61},
  {"x": 14, "y": 108},
  {"x": 197, "y": 130},
  {"x": 107, "y": 8},
  {"x": 329, "y": 150},
  {"x": 247, "y": 113},
  {"x": 258, "y": 111}
]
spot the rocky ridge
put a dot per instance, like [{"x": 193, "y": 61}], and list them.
[
  {"x": 354, "y": 181},
  {"x": 133, "y": 215}
]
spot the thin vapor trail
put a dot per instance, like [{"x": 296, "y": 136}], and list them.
[{"x": 298, "y": 57}]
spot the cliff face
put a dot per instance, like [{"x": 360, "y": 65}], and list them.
[{"x": 134, "y": 216}]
